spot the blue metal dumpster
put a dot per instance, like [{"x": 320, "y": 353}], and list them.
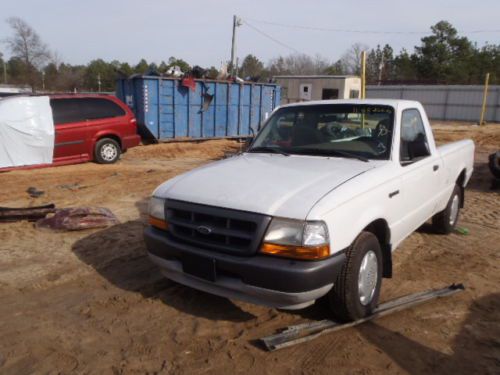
[{"x": 165, "y": 109}]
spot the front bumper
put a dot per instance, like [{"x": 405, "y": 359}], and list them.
[{"x": 260, "y": 279}]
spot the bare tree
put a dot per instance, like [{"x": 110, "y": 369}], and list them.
[
  {"x": 298, "y": 64},
  {"x": 351, "y": 60},
  {"x": 26, "y": 45},
  {"x": 55, "y": 58},
  {"x": 321, "y": 64}
]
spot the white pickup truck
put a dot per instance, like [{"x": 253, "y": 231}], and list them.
[{"x": 313, "y": 208}]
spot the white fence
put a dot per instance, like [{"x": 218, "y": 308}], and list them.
[{"x": 460, "y": 103}]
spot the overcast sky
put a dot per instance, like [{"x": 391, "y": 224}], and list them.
[{"x": 200, "y": 31}]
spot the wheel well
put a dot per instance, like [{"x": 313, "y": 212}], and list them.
[
  {"x": 461, "y": 178},
  {"x": 381, "y": 230},
  {"x": 111, "y": 136},
  {"x": 461, "y": 182}
]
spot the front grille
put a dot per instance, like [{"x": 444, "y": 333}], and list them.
[{"x": 215, "y": 228}]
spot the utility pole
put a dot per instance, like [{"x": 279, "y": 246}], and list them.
[
  {"x": 99, "y": 82},
  {"x": 485, "y": 98},
  {"x": 380, "y": 69},
  {"x": 363, "y": 84},
  {"x": 43, "y": 80},
  {"x": 363, "y": 74},
  {"x": 236, "y": 22}
]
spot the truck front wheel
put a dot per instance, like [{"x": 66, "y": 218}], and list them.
[
  {"x": 357, "y": 288},
  {"x": 445, "y": 221}
]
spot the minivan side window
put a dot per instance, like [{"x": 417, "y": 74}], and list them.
[
  {"x": 96, "y": 108},
  {"x": 65, "y": 111},
  {"x": 71, "y": 110},
  {"x": 414, "y": 145}
]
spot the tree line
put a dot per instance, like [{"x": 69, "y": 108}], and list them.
[{"x": 443, "y": 57}]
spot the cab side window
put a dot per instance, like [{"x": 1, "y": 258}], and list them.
[{"x": 414, "y": 145}]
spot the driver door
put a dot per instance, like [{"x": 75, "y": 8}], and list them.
[{"x": 420, "y": 177}]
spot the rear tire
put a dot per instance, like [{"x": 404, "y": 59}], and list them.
[
  {"x": 494, "y": 164},
  {"x": 107, "y": 151},
  {"x": 356, "y": 291},
  {"x": 445, "y": 221}
]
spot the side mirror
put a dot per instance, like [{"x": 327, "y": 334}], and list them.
[
  {"x": 248, "y": 143},
  {"x": 249, "y": 140}
]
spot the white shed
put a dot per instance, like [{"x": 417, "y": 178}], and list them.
[{"x": 318, "y": 87}]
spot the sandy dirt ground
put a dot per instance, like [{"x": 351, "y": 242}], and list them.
[{"x": 90, "y": 302}]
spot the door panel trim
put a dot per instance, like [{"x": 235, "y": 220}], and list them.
[{"x": 69, "y": 143}]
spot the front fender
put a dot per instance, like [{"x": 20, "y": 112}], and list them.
[
  {"x": 347, "y": 222},
  {"x": 355, "y": 205}
]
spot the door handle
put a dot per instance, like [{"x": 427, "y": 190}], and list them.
[
  {"x": 393, "y": 193},
  {"x": 435, "y": 168}
]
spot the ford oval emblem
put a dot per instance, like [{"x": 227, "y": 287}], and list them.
[{"x": 202, "y": 229}]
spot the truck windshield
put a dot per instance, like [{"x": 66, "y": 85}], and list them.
[{"x": 358, "y": 131}]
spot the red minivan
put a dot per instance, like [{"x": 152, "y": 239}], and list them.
[{"x": 91, "y": 127}]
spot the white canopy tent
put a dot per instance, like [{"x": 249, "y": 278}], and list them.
[{"x": 26, "y": 131}]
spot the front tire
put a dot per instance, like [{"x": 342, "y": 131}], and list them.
[
  {"x": 107, "y": 151},
  {"x": 445, "y": 221},
  {"x": 357, "y": 288}
]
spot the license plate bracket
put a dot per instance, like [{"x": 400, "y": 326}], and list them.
[{"x": 199, "y": 266}]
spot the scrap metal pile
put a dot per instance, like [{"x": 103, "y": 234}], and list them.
[{"x": 64, "y": 219}]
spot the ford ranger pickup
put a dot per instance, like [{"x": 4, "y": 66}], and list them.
[{"x": 314, "y": 207}]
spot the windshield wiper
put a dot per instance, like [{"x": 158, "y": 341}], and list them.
[
  {"x": 331, "y": 153},
  {"x": 274, "y": 150}
]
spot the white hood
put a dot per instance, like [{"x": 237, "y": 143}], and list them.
[{"x": 272, "y": 184}]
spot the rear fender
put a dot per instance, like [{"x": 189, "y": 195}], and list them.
[{"x": 104, "y": 134}]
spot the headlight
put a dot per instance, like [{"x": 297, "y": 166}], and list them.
[
  {"x": 157, "y": 213},
  {"x": 297, "y": 239},
  {"x": 285, "y": 232},
  {"x": 315, "y": 234}
]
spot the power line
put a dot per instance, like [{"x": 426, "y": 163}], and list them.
[
  {"x": 270, "y": 37},
  {"x": 355, "y": 31}
]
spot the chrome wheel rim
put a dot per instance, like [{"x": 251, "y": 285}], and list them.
[
  {"x": 367, "y": 279},
  {"x": 455, "y": 203},
  {"x": 109, "y": 152}
]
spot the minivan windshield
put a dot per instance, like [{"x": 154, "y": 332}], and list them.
[{"x": 345, "y": 130}]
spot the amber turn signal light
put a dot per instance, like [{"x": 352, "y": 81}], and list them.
[
  {"x": 158, "y": 223},
  {"x": 296, "y": 252}
]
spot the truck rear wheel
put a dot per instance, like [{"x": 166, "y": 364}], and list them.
[
  {"x": 494, "y": 164},
  {"x": 107, "y": 151},
  {"x": 445, "y": 221},
  {"x": 357, "y": 288}
]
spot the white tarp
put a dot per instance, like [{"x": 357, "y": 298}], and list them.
[{"x": 26, "y": 131}]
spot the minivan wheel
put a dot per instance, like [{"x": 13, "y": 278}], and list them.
[
  {"x": 445, "y": 221},
  {"x": 357, "y": 288},
  {"x": 107, "y": 151}
]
